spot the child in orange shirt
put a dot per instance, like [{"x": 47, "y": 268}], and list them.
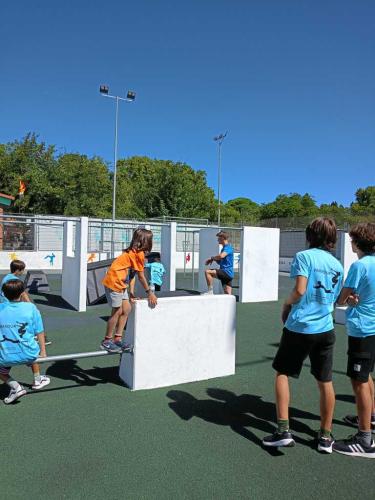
[{"x": 116, "y": 287}]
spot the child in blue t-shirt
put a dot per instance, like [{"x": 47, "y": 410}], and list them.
[
  {"x": 20, "y": 322},
  {"x": 359, "y": 293},
  {"x": 308, "y": 330},
  {"x": 17, "y": 269},
  {"x": 157, "y": 271},
  {"x": 225, "y": 260}
]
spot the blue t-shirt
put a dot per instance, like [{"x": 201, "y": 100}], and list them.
[
  {"x": 19, "y": 323},
  {"x": 156, "y": 272},
  {"x": 360, "y": 320},
  {"x": 6, "y": 278},
  {"x": 324, "y": 273},
  {"x": 226, "y": 264}
]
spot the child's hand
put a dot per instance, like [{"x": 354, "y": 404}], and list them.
[
  {"x": 208, "y": 262},
  {"x": 152, "y": 299},
  {"x": 285, "y": 312},
  {"x": 132, "y": 298},
  {"x": 43, "y": 353},
  {"x": 352, "y": 300}
]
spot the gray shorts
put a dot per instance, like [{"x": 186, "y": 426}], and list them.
[{"x": 115, "y": 299}]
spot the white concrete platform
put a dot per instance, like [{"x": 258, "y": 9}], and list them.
[{"x": 183, "y": 339}]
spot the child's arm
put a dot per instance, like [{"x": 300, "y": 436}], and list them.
[
  {"x": 297, "y": 293},
  {"x": 25, "y": 297},
  {"x": 347, "y": 296},
  {"x": 151, "y": 297},
  {"x": 132, "y": 297}
]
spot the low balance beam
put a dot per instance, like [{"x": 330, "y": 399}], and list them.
[{"x": 79, "y": 355}]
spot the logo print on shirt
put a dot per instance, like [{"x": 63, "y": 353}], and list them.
[
  {"x": 335, "y": 280},
  {"x": 22, "y": 328}
]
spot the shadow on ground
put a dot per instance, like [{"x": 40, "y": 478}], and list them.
[{"x": 243, "y": 414}]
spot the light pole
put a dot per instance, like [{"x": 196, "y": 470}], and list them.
[
  {"x": 130, "y": 97},
  {"x": 219, "y": 139}
]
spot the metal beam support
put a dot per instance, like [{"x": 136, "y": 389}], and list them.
[{"x": 79, "y": 355}]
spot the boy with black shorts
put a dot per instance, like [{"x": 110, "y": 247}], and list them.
[
  {"x": 359, "y": 293},
  {"x": 308, "y": 331},
  {"x": 225, "y": 260}
]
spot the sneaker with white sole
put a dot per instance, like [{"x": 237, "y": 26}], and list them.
[
  {"x": 42, "y": 382},
  {"x": 14, "y": 394},
  {"x": 325, "y": 443},
  {"x": 354, "y": 447},
  {"x": 279, "y": 439}
]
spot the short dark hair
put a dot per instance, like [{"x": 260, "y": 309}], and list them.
[
  {"x": 141, "y": 241},
  {"x": 223, "y": 234},
  {"x": 363, "y": 235},
  {"x": 17, "y": 265},
  {"x": 13, "y": 289},
  {"x": 322, "y": 233}
]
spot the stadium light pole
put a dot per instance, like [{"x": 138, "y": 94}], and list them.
[
  {"x": 219, "y": 139},
  {"x": 130, "y": 97}
]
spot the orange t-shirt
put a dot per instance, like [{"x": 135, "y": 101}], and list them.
[{"x": 118, "y": 272}]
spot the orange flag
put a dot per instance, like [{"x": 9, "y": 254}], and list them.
[{"x": 22, "y": 188}]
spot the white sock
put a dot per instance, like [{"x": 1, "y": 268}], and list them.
[{"x": 13, "y": 384}]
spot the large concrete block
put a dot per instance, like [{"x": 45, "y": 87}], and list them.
[{"x": 183, "y": 339}]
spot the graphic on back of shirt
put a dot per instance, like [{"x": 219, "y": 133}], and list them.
[{"x": 327, "y": 288}]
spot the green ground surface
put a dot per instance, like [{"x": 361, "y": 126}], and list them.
[{"x": 87, "y": 436}]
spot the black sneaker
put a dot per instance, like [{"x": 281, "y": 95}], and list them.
[
  {"x": 279, "y": 439},
  {"x": 354, "y": 420},
  {"x": 354, "y": 447},
  {"x": 325, "y": 443}
]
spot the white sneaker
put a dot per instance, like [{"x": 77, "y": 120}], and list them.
[
  {"x": 210, "y": 292},
  {"x": 14, "y": 395},
  {"x": 39, "y": 384}
]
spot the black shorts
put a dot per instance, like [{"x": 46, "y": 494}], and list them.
[
  {"x": 295, "y": 347},
  {"x": 361, "y": 357},
  {"x": 223, "y": 277}
]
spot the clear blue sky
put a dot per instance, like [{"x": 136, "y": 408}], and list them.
[{"x": 293, "y": 81}]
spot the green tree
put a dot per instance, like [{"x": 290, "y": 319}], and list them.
[
  {"x": 365, "y": 201},
  {"x": 248, "y": 211},
  {"x": 293, "y": 205}
]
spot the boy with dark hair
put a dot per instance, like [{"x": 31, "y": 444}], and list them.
[
  {"x": 359, "y": 293},
  {"x": 225, "y": 260},
  {"x": 17, "y": 268},
  {"x": 308, "y": 330},
  {"x": 20, "y": 322}
]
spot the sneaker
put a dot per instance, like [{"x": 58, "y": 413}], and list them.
[
  {"x": 279, "y": 439},
  {"x": 48, "y": 341},
  {"x": 354, "y": 447},
  {"x": 15, "y": 394},
  {"x": 110, "y": 346},
  {"x": 42, "y": 382},
  {"x": 353, "y": 420},
  {"x": 325, "y": 443},
  {"x": 210, "y": 292},
  {"x": 123, "y": 345}
]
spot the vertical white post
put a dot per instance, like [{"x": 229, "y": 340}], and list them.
[
  {"x": 169, "y": 255},
  {"x": 347, "y": 257},
  {"x": 208, "y": 247},
  {"x": 259, "y": 263},
  {"x": 74, "y": 275}
]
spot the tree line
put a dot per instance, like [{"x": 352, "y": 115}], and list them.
[{"x": 73, "y": 184}]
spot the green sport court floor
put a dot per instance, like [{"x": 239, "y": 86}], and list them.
[{"x": 87, "y": 436}]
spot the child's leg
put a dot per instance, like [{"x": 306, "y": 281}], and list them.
[
  {"x": 282, "y": 396},
  {"x": 364, "y": 401},
  {"x": 327, "y": 404},
  {"x": 371, "y": 386},
  {"x": 112, "y": 322},
  {"x": 125, "y": 311},
  {"x": 210, "y": 275}
]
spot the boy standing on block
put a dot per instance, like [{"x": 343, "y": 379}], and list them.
[
  {"x": 20, "y": 322},
  {"x": 308, "y": 331},
  {"x": 225, "y": 260},
  {"x": 359, "y": 289}
]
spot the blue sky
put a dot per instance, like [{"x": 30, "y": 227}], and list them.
[{"x": 291, "y": 80}]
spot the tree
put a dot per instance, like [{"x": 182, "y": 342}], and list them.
[
  {"x": 293, "y": 205},
  {"x": 248, "y": 211},
  {"x": 155, "y": 188},
  {"x": 365, "y": 201}
]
